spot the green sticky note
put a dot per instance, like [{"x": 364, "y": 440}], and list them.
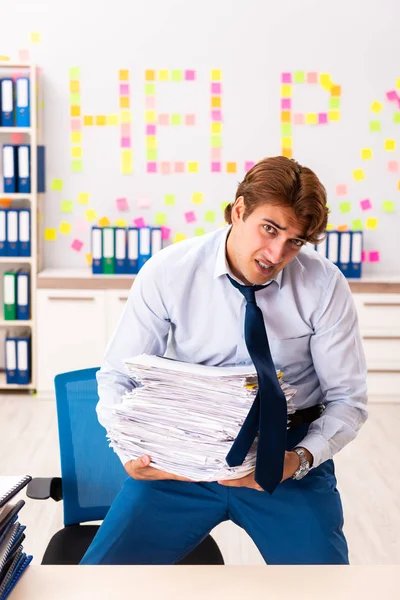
[
  {"x": 374, "y": 125},
  {"x": 224, "y": 205},
  {"x": 160, "y": 218},
  {"x": 74, "y": 73},
  {"x": 396, "y": 117},
  {"x": 299, "y": 77},
  {"x": 74, "y": 99},
  {"x": 334, "y": 102},
  {"x": 210, "y": 216},
  {"x": 150, "y": 89},
  {"x": 286, "y": 129},
  {"x": 388, "y": 206},
  {"x": 176, "y": 119},
  {"x": 57, "y": 185},
  {"x": 345, "y": 207},
  {"x": 177, "y": 75},
  {"x": 216, "y": 141},
  {"x": 77, "y": 166},
  {"x": 357, "y": 225},
  {"x": 169, "y": 199},
  {"x": 151, "y": 154},
  {"x": 199, "y": 231},
  {"x": 67, "y": 206}
]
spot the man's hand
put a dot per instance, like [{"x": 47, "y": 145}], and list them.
[
  {"x": 290, "y": 466},
  {"x": 139, "y": 469}
]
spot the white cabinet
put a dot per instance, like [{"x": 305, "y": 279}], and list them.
[{"x": 115, "y": 300}]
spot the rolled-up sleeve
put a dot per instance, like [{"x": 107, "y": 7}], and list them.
[
  {"x": 339, "y": 363},
  {"x": 143, "y": 328}
]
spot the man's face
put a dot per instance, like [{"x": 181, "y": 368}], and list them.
[{"x": 263, "y": 244}]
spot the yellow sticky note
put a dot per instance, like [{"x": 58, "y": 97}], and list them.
[
  {"x": 376, "y": 106},
  {"x": 124, "y": 102},
  {"x": 123, "y": 75},
  {"x": 178, "y": 237},
  {"x": 286, "y": 90},
  {"x": 398, "y": 83},
  {"x": 231, "y": 167},
  {"x": 160, "y": 218},
  {"x": 101, "y": 120},
  {"x": 311, "y": 118},
  {"x": 126, "y": 162},
  {"x": 371, "y": 223},
  {"x": 287, "y": 142},
  {"x": 193, "y": 167},
  {"x": 65, "y": 228},
  {"x": 120, "y": 223},
  {"x": 75, "y": 111},
  {"x": 388, "y": 206},
  {"x": 74, "y": 86},
  {"x": 398, "y": 185},
  {"x": 358, "y": 174},
  {"x": 288, "y": 152},
  {"x": 357, "y": 225},
  {"x": 88, "y": 120},
  {"x": 50, "y": 235},
  {"x": 216, "y": 75},
  {"x": 150, "y": 116},
  {"x": 390, "y": 145},
  {"x": 66, "y": 206},
  {"x": 215, "y": 101},
  {"x": 57, "y": 185},
  {"x": 126, "y": 116},
  {"x": 104, "y": 222},
  {"x": 89, "y": 259},
  {"x": 216, "y": 127},
  {"x": 150, "y": 75},
  {"x": 366, "y": 153},
  {"x": 76, "y": 137},
  {"x": 169, "y": 199},
  {"x": 76, "y": 152},
  {"x": 325, "y": 81},
  {"x": 77, "y": 166},
  {"x": 91, "y": 214},
  {"x": 83, "y": 198},
  {"x": 199, "y": 231},
  {"x": 197, "y": 198},
  {"x": 35, "y": 37},
  {"x": 163, "y": 75},
  {"x": 345, "y": 207},
  {"x": 330, "y": 227},
  {"x": 112, "y": 119},
  {"x": 151, "y": 141},
  {"x": 334, "y": 115}
]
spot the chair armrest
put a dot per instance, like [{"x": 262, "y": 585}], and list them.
[{"x": 41, "y": 488}]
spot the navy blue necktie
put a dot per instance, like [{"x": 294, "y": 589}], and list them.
[{"x": 268, "y": 413}]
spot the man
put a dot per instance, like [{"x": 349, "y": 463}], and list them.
[{"x": 184, "y": 304}]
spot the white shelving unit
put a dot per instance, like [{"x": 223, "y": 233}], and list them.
[{"x": 33, "y": 135}]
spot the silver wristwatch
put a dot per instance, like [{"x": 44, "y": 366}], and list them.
[{"x": 304, "y": 464}]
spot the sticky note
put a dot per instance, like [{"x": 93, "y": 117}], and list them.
[
  {"x": 334, "y": 115},
  {"x": 286, "y": 116},
  {"x": 398, "y": 83},
  {"x": 345, "y": 207},
  {"x": 357, "y": 225},
  {"x": 311, "y": 118},
  {"x": 35, "y": 37},
  {"x": 143, "y": 202},
  {"x": 126, "y": 142},
  {"x": 396, "y": 117},
  {"x": 197, "y": 198},
  {"x": 299, "y": 77},
  {"x": 393, "y": 166},
  {"x": 336, "y": 90},
  {"x": 371, "y": 223},
  {"x": 341, "y": 189},
  {"x": 176, "y": 119},
  {"x": 124, "y": 89},
  {"x": 376, "y": 106},
  {"x": 65, "y": 228},
  {"x": 126, "y": 116},
  {"x": 358, "y": 174},
  {"x": 5, "y": 202},
  {"x": 83, "y": 198},
  {"x": 57, "y": 185},
  {"x": 23, "y": 55},
  {"x": 193, "y": 167},
  {"x": 101, "y": 120},
  {"x": 124, "y": 102},
  {"x": 342, "y": 227},
  {"x": 76, "y": 151},
  {"x": 224, "y": 205},
  {"x": 215, "y": 167},
  {"x": 169, "y": 199},
  {"x": 366, "y": 204},
  {"x": 74, "y": 73},
  {"x": 179, "y": 167},
  {"x": 334, "y": 102},
  {"x": 216, "y": 141},
  {"x": 50, "y": 234},
  {"x": 104, "y": 222},
  {"x": 77, "y": 166},
  {"x": 178, "y": 237},
  {"x": 190, "y": 75},
  {"x": 398, "y": 185},
  {"x": 139, "y": 222},
  {"x": 77, "y": 245},
  {"x": 325, "y": 81},
  {"x": 91, "y": 214},
  {"x": 374, "y": 125},
  {"x": 151, "y": 156},
  {"x": 126, "y": 162},
  {"x": 165, "y": 233},
  {"x": 122, "y": 204},
  {"x": 286, "y": 103},
  {"x": 17, "y": 138},
  {"x": 249, "y": 164},
  {"x": 390, "y": 145},
  {"x": 163, "y": 75},
  {"x": 210, "y": 216},
  {"x": 216, "y": 75},
  {"x": 160, "y": 218},
  {"x": 151, "y": 141},
  {"x": 298, "y": 119},
  {"x": 286, "y": 129},
  {"x": 190, "y": 216},
  {"x": 330, "y": 227},
  {"x": 231, "y": 167},
  {"x": 366, "y": 153},
  {"x": 287, "y": 142},
  {"x": 288, "y": 152},
  {"x": 66, "y": 206},
  {"x": 191, "y": 120},
  {"x": 150, "y": 116},
  {"x": 216, "y": 102},
  {"x": 75, "y": 111},
  {"x": 323, "y": 118},
  {"x": 216, "y": 88},
  {"x": 165, "y": 167},
  {"x": 286, "y": 91},
  {"x": 199, "y": 231},
  {"x": 76, "y": 124},
  {"x": 216, "y": 115},
  {"x": 120, "y": 223},
  {"x": 88, "y": 121},
  {"x": 388, "y": 206},
  {"x": 76, "y": 137},
  {"x": 89, "y": 259},
  {"x": 176, "y": 75},
  {"x": 374, "y": 256},
  {"x": 123, "y": 74},
  {"x": 286, "y": 78},
  {"x": 151, "y": 167},
  {"x": 391, "y": 96}
]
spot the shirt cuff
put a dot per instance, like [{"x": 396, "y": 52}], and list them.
[{"x": 318, "y": 446}]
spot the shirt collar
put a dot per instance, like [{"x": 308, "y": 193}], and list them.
[{"x": 221, "y": 263}]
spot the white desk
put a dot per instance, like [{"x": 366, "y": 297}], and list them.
[{"x": 209, "y": 583}]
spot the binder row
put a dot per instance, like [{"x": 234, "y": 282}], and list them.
[
  {"x": 15, "y": 232},
  {"x": 344, "y": 249},
  {"x": 18, "y": 357},
  {"x": 121, "y": 250},
  {"x": 16, "y": 284},
  {"x": 17, "y": 168},
  {"x": 15, "y": 102}
]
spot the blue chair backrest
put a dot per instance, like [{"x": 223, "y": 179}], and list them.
[{"x": 91, "y": 472}]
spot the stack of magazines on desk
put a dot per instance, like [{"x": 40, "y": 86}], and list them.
[
  {"x": 13, "y": 559},
  {"x": 187, "y": 416}
]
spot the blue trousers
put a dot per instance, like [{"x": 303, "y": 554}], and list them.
[{"x": 159, "y": 522}]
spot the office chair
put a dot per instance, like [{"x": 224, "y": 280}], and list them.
[{"x": 91, "y": 475}]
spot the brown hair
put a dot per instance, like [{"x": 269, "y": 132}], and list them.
[{"x": 283, "y": 181}]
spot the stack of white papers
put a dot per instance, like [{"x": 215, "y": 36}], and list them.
[{"x": 187, "y": 416}]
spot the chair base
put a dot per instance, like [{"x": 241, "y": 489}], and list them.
[{"x": 68, "y": 546}]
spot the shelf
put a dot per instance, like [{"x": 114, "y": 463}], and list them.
[
  {"x": 13, "y": 386},
  {"x": 15, "y": 65},
  {"x": 17, "y": 323},
  {"x": 15, "y": 259},
  {"x": 16, "y": 130},
  {"x": 16, "y": 196}
]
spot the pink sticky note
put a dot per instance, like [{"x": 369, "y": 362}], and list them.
[
  {"x": 190, "y": 75},
  {"x": 125, "y": 130},
  {"x": 286, "y": 78},
  {"x": 124, "y": 89},
  {"x": 143, "y": 202},
  {"x": 216, "y": 115},
  {"x": 165, "y": 232},
  {"x": 23, "y": 55},
  {"x": 150, "y": 102},
  {"x": 392, "y": 95},
  {"x": 249, "y": 164},
  {"x": 125, "y": 142},
  {"x": 190, "y": 119},
  {"x": 139, "y": 222},
  {"x": 122, "y": 204},
  {"x": 286, "y": 103},
  {"x": 16, "y": 74},
  {"x": 312, "y": 77},
  {"x": 17, "y": 138},
  {"x": 366, "y": 204},
  {"x": 179, "y": 167},
  {"x": 81, "y": 225},
  {"x": 341, "y": 189},
  {"x": 374, "y": 256},
  {"x": 216, "y": 87},
  {"x": 163, "y": 119},
  {"x": 363, "y": 256},
  {"x": 322, "y": 118},
  {"x": 190, "y": 217},
  {"x": 165, "y": 167},
  {"x": 152, "y": 167},
  {"x": 150, "y": 129},
  {"x": 77, "y": 245},
  {"x": 298, "y": 118},
  {"x": 75, "y": 124},
  {"x": 393, "y": 166},
  {"x": 216, "y": 167},
  {"x": 216, "y": 154}
]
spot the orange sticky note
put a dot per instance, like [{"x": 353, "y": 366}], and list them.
[{"x": 104, "y": 222}]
